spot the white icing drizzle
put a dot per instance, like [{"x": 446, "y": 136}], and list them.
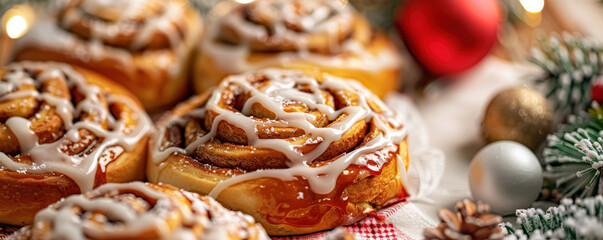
[
  {"x": 129, "y": 10},
  {"x": 46, "y": 33},
  {"x": 48, "y": 157},
  {"x": 12, "y": 83},
  {"x": 321, "y": 179},
  {"x": 14, "y": 80},
  {"x": 125, "y": 222},
  {"x": 234, "y": 58},
  {"x": 325, "y": 17}
]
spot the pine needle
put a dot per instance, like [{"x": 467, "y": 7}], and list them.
[
  {"x": 573, "y": 157},
  {"x": 570, "y": 65},
  {"x": 582, "y": 219}
]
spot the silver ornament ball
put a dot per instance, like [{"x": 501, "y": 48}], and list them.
[{"x": 507, "y": 175}]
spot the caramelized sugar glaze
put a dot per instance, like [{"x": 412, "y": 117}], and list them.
[
  {"x": 64, "y": 131},
  {"x": 139, "y": 210},
  {"x": 296, "y": 34},
  {"x": 300, "y": 152},
  {"x": 145, "y": 45}
]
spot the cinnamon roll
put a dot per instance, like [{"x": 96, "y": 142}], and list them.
[
  {"x": 301, "y": 153},
  {"x": 145, "y": 46},
  {"x": 139, "y": 210},
  {"x": 325, "y": 35},
  {"x": 64, "y": 131}
]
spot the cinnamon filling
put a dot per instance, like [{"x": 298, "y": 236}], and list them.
[
  {"x": 275, "y": 120},
  {"x": 309, "y": 145},
  {"x": 139, "y": 211},
  {"x": 229, "y": 148},
  {"x": 134, "y": 25},
  {"x": 53, "y": 121},
  {"x": 283, "y": 25}
]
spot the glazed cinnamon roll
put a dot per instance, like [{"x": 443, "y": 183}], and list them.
[
  {"x": 64, "y": 131},
  {"x": 145, "y": 46},
  {"x": 301, "y": 153},
  {"x": 325, "y": 35},
  {"x": 139, "y": 210}
]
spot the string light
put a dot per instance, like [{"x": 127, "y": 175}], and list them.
[
  {"x": 16, "y": 26},
  {"x": 532, "y": 6},
  {"x": 16, "y": 21},
  {"x": 244, "y": 1}
]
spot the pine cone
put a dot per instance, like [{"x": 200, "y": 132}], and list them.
[
  {"x": 472, "y": 221},
  {"x": 6, "y": 231}
]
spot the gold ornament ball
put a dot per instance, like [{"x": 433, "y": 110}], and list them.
[{"x": 519, "y": 114}]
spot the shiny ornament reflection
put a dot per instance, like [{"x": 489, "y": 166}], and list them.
[
  {"x": 518, "y": 114},
  {"x": 506, "y": 175}
]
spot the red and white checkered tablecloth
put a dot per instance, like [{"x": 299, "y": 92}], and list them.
[{"x": 383, "y": 225}]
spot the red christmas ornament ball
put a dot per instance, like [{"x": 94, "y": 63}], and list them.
[
  {"x": 448, "y": 36},
  {"x": 596, "y": 90}
]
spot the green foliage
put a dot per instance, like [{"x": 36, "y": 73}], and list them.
[
  {"x": 582, "y": 219},
  {"x": 570, "y": 66},
  {"x": 574, "y": 156}
]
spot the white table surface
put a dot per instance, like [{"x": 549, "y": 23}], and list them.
[{"x": 453, "y": 115}]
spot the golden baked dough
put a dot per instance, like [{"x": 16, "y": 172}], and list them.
[
  {"x": 299, "y": 152},
  {"x": 145, "y": 46},
  {"x": 311, "y": 35},
  {"x": 139, "y": 210},
  {"x": 63, "y": 131}
]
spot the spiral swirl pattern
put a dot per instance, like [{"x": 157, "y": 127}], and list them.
[
  {"x": 329, "y": 36},
  {"x": 308, "y": 151},
  {"x": 144, "y": 45},
  {"x": 134, "y": 25},
  {"x": 285, "y": 121},
  {"x": 284, "y": 25},
  {"x": 142, "y": 211},
  {"x": 53, "y": 120}
]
